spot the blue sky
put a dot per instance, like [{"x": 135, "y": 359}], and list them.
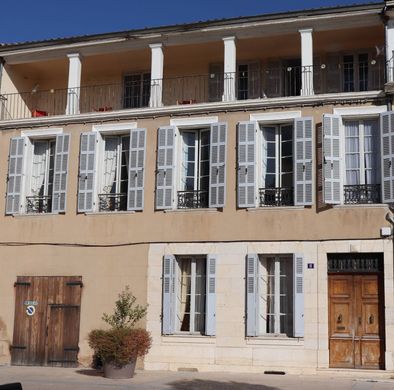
[{"x": 22, "y": 20}]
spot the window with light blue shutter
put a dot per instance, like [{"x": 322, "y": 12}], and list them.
[
  {"x": 87, "y": 160},
  {"x": 210, "y": 315},
  {"x": 217, "y": 162},
  {"x": 298, "y": 295},
  {"x": 60, "y": 173},
  {"x": 168, "y": 310},
  {"x": 252, "y": 294},
  {"x": 303, "y": 151},
  {"x": 135, "y": 198},
  {"x": 246, "y": 178},
  {"x": 387, "y": 155},
  {"x": 165, "y": 167},
  {"x": 332, "y": 160},
  {"x": 15, "y": 175}
]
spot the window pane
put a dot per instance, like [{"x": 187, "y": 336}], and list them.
[
  {"x": 287, "y": 148},
  {"x": 269, "y": 181},
  {"x": 184, "y": 291},
  {"x": 287, "y": 164},
  {"x": 352, "y": 152},
  {"x": 110, "y": 165},
  {"x": 269, "y": 133},
  {"x": 287, "y": 133},
  {"x": 279, "y": 299}
]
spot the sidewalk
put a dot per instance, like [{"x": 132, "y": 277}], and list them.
[{"x": 45, "y": 378}]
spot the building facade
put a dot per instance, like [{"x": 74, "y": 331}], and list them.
[{"x": 236, "y": 174}]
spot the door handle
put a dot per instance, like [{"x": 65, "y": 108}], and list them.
[
  {"x": 339, "y": 319},
  {"x": 371, "y": 319}
]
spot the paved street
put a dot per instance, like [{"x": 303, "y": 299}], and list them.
[{"x": 42, "y": 378}]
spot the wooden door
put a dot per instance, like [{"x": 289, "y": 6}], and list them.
[
  {"x": 50, "y": 334},
  {"x": 356, "y": 321}
]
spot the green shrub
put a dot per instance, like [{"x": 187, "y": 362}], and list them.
[{"x": 122, "y": 343}]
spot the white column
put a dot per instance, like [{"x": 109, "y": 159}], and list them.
[
  {"x": 74, "y": 83},
  {"x": 156, "y": 74},
  {"x": 390, "y": 50},
  {"x": 306, "y": 62},
  {"x": 230, "y": 68}
]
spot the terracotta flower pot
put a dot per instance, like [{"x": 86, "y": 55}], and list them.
[{"x": 112, "y": 371}]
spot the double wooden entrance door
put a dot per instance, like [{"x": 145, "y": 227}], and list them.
[
  {"x": 356, "y": 333},
  {"x": 46, "y": 325}
]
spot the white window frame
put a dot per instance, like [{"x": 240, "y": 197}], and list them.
[
  {"x": 30, "y": 136},
  {"x": 263, "y": 292},
  {"x": 194, "y": 259},
  {"x": 354, "y": 114},
  {"x": 183, "y": 124},
  {"x": 103, "y": 131}
]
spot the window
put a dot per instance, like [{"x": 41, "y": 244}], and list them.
[
  {"x": 248, "y": 81},
  {"x": 37, "y": 174},
  {"x": 190, "y": 291},
  {"x": 276, "y": 286},
  {"x": 39, "y": 195},
  {"x": 194, "y": 185},
  {"x": 352, "y": 160},
  {"x": 362, "y": 161},
  {"x": 275, "y": 301},
  {"x": 189, "y": 294},
  {"x": 191, "y": 167},
  {"x": 277, "y": 166},
  {"x": 111, "y": 169},
  {"x": 137, "y": 90},
  {"x": 115, "y": 175},
  {"x": 355, "y": 72}
]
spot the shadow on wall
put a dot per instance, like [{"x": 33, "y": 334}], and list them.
[{"x": 199, "y": 384}]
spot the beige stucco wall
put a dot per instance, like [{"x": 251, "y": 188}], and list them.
[
  {"x": 230, "y": 350},
  {"x": 105, "y": 272}
]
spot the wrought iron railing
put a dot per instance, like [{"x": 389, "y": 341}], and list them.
[
  {"x": 38, "y": 204},
  {"x": 263, "y": 82},
  {"x": 361, "y": 193},
  {"x": 275, "y": 197},
  {"x": 112, "y": 202},
  {"x": 192, "y": 199}
]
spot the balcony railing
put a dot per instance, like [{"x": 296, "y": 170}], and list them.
[
  {"x": 112, "y": 202},
  {"x": 362, "y": 193},
  {"x": 267, "y": 82},
  {"x": 275, "y": 197},
  {"x": 192, "y": 199},
  {"x": 38, "y": 204}
]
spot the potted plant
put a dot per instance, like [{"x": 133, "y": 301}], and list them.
[{"x": 119, "y": 346}]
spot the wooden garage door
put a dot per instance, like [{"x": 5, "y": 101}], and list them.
[{"x": 47, "y": 316}]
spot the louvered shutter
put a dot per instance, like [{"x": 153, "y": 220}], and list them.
[
  {"x": 215, "y": 83},
  {"x": 165, "y": 167},
  {"x": 273, "y": 76},
  {"x": 246, "y": 186},
  {"x": 387, "y": 148},
  {"x": 210, "y": 316},
  {"x": 254, "y": 80},
  {"x": 252, "y": 294},
  {"x": 298, "y": 286},
  {"x": 303, "y": 161},
  {"x": 168, "y": 316},
  {"x": 217, "y": 165},
  {"x": 332, "y": 161},
  {"x": 15, "y": 175},
  {"x": 60, "y": 173},
  {"x": 135, "y": 198},
  {"x": 333, "y": 74},
  {"x": 317, "y": 76},
  {"x": 87, "y": 159}
]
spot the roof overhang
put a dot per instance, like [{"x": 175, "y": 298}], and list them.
[{"x": 203, "y": 32}]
